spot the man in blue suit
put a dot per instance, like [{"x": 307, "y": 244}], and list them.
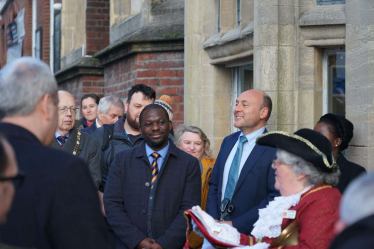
[{"x": 243, "y": 179}]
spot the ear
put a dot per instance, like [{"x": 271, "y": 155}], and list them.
[
  {"x": 46, "y": 106},
  {"x": 301, "y": 177},
  {"x": 126, "y": 106},
  {"x": 264, "y": 113},
  {"x": 337, "y": 142}
]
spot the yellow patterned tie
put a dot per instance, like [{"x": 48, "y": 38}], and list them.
[{"x": 154, "y": 168}]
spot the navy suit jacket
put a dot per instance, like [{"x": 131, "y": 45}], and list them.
[
  {"x": 90, "y": 130},
  {"x": 127, "y": 195},
  {"x": 57, "y": 206},
  {"x": 254, "y": 189}
]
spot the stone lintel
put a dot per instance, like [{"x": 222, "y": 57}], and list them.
[
  {"x": 85, "y": 66},
  {"x": 323, "y": 43},
  {"x": 245, "y": 56},
  {"x": 323, "y": 16},
  {"x": 114, "y": 53},
  {"x": 234, "y": 45}
]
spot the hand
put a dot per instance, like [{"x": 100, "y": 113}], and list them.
[
  {"x": 227, "y": 222},
  {"x": 156, "y": 246},
  {"x": 146, "y": 243},
  {"x": 101, "y": 196}
]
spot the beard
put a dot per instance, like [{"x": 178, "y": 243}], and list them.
[{"x": 132, "y": 121}]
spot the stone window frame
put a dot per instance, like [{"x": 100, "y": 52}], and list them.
[
  {"x": 329, "y": 2},
  {"x": 238, "y": 12}
]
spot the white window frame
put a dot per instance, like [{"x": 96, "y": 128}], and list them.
[{"x": 237, "y": 76}]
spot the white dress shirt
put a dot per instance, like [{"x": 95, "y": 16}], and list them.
[{"x": 247, "y": 149}]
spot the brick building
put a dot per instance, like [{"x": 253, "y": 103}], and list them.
[{"x": 121, "y": 43}]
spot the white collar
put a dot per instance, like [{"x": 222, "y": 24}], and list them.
[
  {"x": 251, "y": 137},
  {"x": 270, "y": 218},
  {"x": 97, "y": 123}
]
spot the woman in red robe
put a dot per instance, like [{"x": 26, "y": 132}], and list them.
[{"x": 305, "y": 214}]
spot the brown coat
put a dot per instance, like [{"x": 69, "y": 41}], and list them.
[{"x": 195, "y": 241}]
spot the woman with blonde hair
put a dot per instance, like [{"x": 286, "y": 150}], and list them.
[{"x": 193, "y": 140}]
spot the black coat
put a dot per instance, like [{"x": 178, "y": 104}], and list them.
[
  {"x": 127, "y": 196},
  {"x": 348, "y": 172},
  {"x": 58, "y": 205},
  {"x": 358, "y": 235},
  {"x": 88, "y": 150}
]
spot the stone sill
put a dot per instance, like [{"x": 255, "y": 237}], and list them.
[
  {"x": 324, "y": 43},
  {"x": 323, "y": 16},
  {"x": 230, "y": 36},
  {"x": 85, "y": 66}
]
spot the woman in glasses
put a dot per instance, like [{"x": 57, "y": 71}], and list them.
[{"x": 305, "y": 214}]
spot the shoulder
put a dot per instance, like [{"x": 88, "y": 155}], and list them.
[
  {"x": 324, "y": 195},
  {"x": 208, "y": 161}
]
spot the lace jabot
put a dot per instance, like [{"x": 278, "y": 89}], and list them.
[{"x": 270, "y": 218}]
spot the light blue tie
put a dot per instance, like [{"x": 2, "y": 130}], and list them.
[{"x": 234, "y": 170}]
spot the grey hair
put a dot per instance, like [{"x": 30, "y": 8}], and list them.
[
  {"x": 358, "y": 201},
  {"x": 23, "y": 83},
  {"x": 107, "y": 101},
  {"x": 183, "y": 128},
  {"x": 313, "y": 175}
]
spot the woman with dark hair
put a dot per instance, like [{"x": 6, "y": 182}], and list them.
[
  {"x": 89, "y": 104},
  {"x": 339, "y": 131}
]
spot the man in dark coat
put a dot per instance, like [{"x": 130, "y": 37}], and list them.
[
  {"x": 75, "y": 142},
  {"x": 356, "y": 225},
  {"x": 57, "y": 206},
  {"x": 150, "y": 186},
  {"x": 242, "y": 173}
]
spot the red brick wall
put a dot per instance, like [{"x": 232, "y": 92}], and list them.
[
  {"x": 43, "y": 13},
  {"x": 164, "y": 72},
  {"x": 82, "y": 85},
  {"x": 97, "y": 25}
]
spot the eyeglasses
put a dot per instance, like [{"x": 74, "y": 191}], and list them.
[
  {"x": 275, "y": 165},
  {"x": 73, "y": 110},
  {"x": 16, "y": 180}
]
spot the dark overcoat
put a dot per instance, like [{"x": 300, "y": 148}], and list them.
[
  {"x": 90, "y": 130},
  {"x": 254, "y": 189},
  {"x": 58, "y": 205},
  {"x": 348, "y": 172},
  {"x": 88, "y": 150},
  {"x": 127, "y": 195}
]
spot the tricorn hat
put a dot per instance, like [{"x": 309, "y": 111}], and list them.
[{"x": 308, "y": 144}]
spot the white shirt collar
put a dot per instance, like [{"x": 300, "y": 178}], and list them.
[{"x": 252, "y": 137}]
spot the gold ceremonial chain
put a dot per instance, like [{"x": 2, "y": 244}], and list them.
[{"x": 77, "y": 145}]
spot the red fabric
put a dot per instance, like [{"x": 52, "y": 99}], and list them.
[
  {"x": 89, "y": 123},
  {"x": 316, "y": 214}
]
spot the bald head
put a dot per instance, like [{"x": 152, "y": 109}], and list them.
[
  {"x": 253, "y": 109},
  {"x": 66, "y": 112}
]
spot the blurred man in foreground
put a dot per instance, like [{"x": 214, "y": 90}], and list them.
[{"x": 58, "y": 206}]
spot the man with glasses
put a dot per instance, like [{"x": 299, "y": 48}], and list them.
[
  {"x": 57, "y": 206},
  {"x": 73, "y": 141}
]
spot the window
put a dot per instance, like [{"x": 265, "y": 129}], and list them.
[
  {"x": 242, "y": 80},
  {"x": 238, "y": 12},
  {"x": 38, "y": 43},
  {"x": 219, "y": 16},
  {"x": 330, "y": 2},
  {"x": 57, "y": 41},
  {"x": 334, "y": 82}
]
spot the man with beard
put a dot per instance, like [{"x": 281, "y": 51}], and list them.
[
  {"x": 69, "y": 139},
  {"x": 123, "y": 134},
  {"x": 150, "y": 186}
]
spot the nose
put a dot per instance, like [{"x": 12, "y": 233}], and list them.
[
  {"x": 237, "y": 108},
  {"x": 155, "y": 126},
  {"x": 191, "y": 147}
]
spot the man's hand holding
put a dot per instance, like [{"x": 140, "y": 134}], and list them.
[{"x": 146, "y": 243}]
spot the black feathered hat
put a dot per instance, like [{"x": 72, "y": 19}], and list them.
[{"x": 308, "y": 144}]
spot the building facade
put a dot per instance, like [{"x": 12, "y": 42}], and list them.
[{"x": 310, "y": 56}]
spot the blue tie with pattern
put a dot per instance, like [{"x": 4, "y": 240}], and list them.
[
  {"x": 62, "y": 140},
  {"x": 234, "y": 169},
  {"x": 154, "y": 168}
]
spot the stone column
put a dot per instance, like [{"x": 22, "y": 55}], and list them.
[
  {"x": 274, "y": 59},
  {"x": 207, "y": 88},
  {"x": 360, "y": 80}
]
